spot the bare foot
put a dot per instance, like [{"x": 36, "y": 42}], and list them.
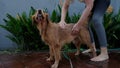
[
  {"x": 87, "y": 51},
  {"x": 101, "y": 57}
]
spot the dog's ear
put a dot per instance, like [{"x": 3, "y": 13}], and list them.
[
  {"x": 47, "y": 19},
  {"x": 33, "y": 20}
]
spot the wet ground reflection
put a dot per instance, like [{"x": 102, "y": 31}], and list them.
[{"x": 38, "y": 60}]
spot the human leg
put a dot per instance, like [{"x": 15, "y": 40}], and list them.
[
  {"x": 97, "y": 20},
  {"x": 100, "y": 31}
]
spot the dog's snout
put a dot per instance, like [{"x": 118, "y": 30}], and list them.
[
  {"x": 39, "y": 15},
  {"x": 39, "y": 12}
]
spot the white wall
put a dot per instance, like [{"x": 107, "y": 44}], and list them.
[{"x": 18, "y": 6}]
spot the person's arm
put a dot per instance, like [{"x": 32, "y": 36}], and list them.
[
  {"x": 84, "y": 16},
  {"x": 64, "y": 12},
  {"x": 65, "y": 9},
  {"x": 87, "y": 11}
]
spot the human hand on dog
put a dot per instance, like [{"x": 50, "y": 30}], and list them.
[
  {"x": 62, "y": 24},
  {"x": 76, "y": 28}
]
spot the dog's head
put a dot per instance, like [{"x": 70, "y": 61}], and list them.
[{"x": 40, "y": 17}]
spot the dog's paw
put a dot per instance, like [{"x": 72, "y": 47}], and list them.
[
  {"x": 54, "y": 66},
  {"x": 49, "y": 59},
  {"x": 77, "y": 53}
]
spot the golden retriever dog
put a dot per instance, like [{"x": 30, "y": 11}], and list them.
[{"x": 56, "y": 37}]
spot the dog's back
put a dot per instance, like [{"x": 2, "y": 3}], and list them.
[{"x": 64, "y": 34}]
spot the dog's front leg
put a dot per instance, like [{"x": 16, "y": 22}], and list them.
[
  {"x": 51, "y": 53},
  {"x": 57, "y": 56}
]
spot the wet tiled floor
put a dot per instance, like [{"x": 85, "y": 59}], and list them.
[{"x": 38, "y": 60}]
